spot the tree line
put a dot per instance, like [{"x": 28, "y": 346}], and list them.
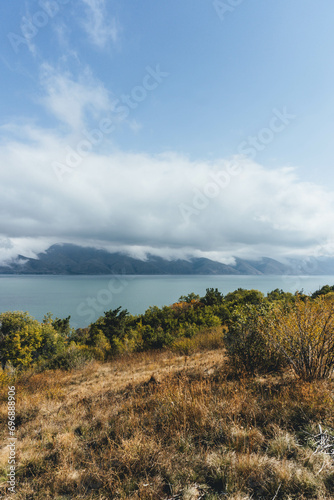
[{"x": 260, "y": 333}]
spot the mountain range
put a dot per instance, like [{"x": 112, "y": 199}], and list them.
[{"x": 72, "y": 259}]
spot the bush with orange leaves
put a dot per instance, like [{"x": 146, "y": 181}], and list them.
[{"x": 304, "y": 334}]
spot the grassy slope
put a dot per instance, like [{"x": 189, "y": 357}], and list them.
[{"x": 191, "y": 431}]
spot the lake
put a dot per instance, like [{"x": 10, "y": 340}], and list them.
[{"x": 86, "y": 298}]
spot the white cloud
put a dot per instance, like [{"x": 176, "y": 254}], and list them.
[
  {"x": 100, "y": 27},
  {"x": 73, "y": 101},
  {"x": 132, "y": 202}
]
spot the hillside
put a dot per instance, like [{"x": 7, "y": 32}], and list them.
[{"x": 161, "y": 425}]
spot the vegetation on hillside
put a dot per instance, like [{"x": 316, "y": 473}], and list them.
[
  {"x": 261, "y": 334},
  {"x": 212, "y": 397}
]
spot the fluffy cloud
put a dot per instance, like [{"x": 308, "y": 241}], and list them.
[
  {"x": 165, "y": 204},
  {"x": 73, "y": 101}
]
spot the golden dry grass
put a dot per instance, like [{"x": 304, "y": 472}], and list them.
[{"x": 161, "y": 425}]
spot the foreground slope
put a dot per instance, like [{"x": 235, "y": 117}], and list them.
[{"x": 162, "y": 425}]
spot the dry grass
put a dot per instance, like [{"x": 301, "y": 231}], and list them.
[{"x": 162, "y": 425}]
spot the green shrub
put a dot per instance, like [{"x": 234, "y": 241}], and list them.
[
  {"x": 156, "y": 338},
  {"x": 248, "y": 343},
  {"x": 74, "y": 357},
  {"x": 24, "y": 340}
]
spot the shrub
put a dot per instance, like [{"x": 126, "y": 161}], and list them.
[
  {"x": 323, "y": 291},
  {"x": 112, "y": 328},
  {"x": 304, "y": 334},
  {"x": 280, "y": 295},
  {"x": 23, "y": 340},
  {"x": 74, "y": 357},
  {"x": 213, "y": 297},
  {"x": 155, "y": 338},
  {"x": 247, "y": 341},
  {"x": 204, "y": 340},
  {"x": 244, "y": 297}
]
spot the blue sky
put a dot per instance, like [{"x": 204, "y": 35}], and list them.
[{"x": 176, "y": 92}]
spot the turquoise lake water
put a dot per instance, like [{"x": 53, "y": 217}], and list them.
[{"x": 86, "y": 298}]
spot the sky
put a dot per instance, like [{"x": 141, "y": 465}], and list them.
[{"x": 175, "y": 128}]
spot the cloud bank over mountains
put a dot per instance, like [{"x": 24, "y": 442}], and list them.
[
  {"x": 65, "y": 179},
  {"x": 166, "y": 204}
]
